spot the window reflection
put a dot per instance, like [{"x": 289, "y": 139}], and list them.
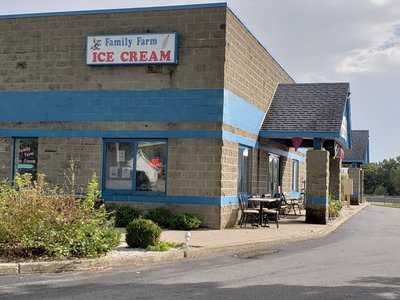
[{"x": 150, "y": 166}]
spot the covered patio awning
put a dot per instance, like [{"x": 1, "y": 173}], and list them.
[
  {"x": 359, "y": 152},
  {"x": 310, "y": 111}
]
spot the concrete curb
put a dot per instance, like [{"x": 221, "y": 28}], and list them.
[
  {"x": 101, "y": 263},
  {"x": 9, "y": 269},
  {"x": 109, "y": 262}
]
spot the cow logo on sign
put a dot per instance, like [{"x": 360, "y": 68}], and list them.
[{"x": 96, "y": 44}]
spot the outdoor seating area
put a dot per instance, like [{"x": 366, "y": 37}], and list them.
[{"x": 259, "y": 210}]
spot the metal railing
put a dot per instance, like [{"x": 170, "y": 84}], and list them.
[{"x": 385, "y": 199}]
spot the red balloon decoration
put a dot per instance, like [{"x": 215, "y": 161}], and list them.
[{"x": 297, "y": 141}]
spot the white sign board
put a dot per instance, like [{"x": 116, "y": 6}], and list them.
[{"x": 136, "y": 49}]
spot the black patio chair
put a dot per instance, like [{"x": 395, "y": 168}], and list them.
[
  {"x": 247, "y": 213},
  {"x": 271, "y": 212}
]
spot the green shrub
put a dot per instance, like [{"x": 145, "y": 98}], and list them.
[
  {"x": 185, "y": 221},
  {"x": 335, "y": 206},
  {"x": 39, "y": 221},
  {"x": 142, "y": 233},
  {"x": 162, "y": 216},
  {"x": 123, "y": 214}
]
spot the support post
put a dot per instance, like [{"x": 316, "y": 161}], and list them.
[
  {"x": 355, "y": 174},
  {"x": 317, "y": 186},
  {"x": 335, "y": 180},
  {"x": 361, "y": 185}
]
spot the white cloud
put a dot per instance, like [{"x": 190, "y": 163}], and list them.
[
  {"x": 379, "y": 2},
  {"x": 383, "y": 53}
]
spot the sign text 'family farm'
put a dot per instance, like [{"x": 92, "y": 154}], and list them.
[{"x": 132, "y": 49}]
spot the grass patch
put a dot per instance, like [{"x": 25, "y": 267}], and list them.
[{"x": 163, "y": 246}]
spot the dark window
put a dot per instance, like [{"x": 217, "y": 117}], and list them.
[
  {"x": 244, "y": 170},
  {"x": 26, "y": 156},
  {"x": 274, "y": 174},
  {"x": 295, "y": 175},
  {"x": 138, "y": 166}
]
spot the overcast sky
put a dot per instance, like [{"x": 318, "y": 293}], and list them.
[{"x": 330, "y": 40}]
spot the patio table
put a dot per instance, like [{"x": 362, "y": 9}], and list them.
[
  {"x": 292, "y": 202},
  {"x": 262, "y": 202}
]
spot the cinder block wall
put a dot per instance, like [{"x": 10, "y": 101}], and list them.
[
  {"x": 194, "y": 167},
  {"x": 252, "y": 74},
  {"x": 216, "y": 51},
  {"x": 250, "y": 71},
  {"x": 51, "y": 57},
  {"x": 61, "y": 158},
  {"x": 229, "y": 182},
  {"x": 51, "y": 51}
]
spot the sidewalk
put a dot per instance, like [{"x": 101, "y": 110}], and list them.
[
  {"x": 291, "y": 229},
  {"x": 203, "y": 242}
]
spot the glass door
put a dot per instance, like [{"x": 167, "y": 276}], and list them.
[
  {"x": 274, "y": 174},
  {"x": 26, "y": 156},
  {"x": 244, "y": 170}
]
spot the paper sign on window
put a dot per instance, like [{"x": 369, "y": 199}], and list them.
[
  {"x": 126, "y": 173},
  {"x": 113, "y": 172},
  {"x": 120, "y": 156}
]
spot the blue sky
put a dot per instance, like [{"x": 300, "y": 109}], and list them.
[{"x": 316, "y": 41}]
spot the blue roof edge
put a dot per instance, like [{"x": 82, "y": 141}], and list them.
[{"x": 115, "y": 10}]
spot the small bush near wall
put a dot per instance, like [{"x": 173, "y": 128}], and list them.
[
  {"x": 123, "y": 214},
  {"x": 142, "y": 233},
  {"x": 185, "y": 222},
  {"x": 39, "y": 221},
  {"x": 162, "y": 216},
  {"x": 335, "y": 206}
]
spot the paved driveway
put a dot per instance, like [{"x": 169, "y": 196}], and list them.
[{"x": 359, "y": 261}]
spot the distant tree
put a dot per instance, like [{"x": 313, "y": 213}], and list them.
[
  {"x": 383, "y": 177},
  {"x": 380, "y": 190}
]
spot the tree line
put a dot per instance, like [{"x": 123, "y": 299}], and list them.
[{"x": 383, "y": 177}]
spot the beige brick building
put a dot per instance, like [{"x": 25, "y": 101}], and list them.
[{"x": 185, "y": 134}]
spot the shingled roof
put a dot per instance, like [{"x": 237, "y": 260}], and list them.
[
  {"x": 359, "y": 151},
  {"x": 311, "y": 107}
]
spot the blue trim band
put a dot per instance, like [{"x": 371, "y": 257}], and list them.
[
  {"x": 109, "y": 133},
  {"x": 189, "y": 200},
  {"x": 191, "y": 105},
  {"x": 194, "y": 105},
  {"x": 317, "y": 201},
  {"x": 239, "y": 139},
  {"x": 241, "y": 114},
  {"x": 115, "y": 11}
]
